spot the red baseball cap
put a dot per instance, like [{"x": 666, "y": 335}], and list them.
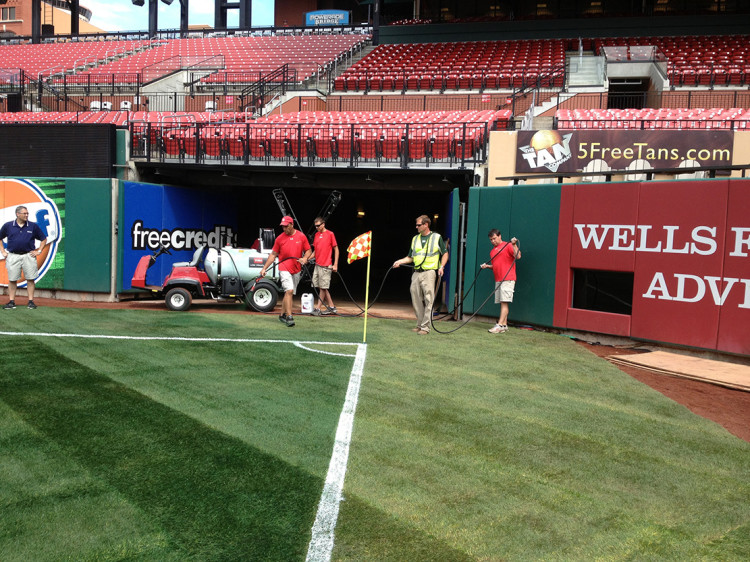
[{"x": 287, "y": 220}]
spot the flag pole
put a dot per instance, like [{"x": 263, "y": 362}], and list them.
[{"x": 367, "y": 290}]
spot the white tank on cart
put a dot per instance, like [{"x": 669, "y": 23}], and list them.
[{"x": 244, "y": 263}]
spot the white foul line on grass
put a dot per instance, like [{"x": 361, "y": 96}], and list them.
[
  {"x": 321, "y": 543},
  {"x": 301, "y": 344}
]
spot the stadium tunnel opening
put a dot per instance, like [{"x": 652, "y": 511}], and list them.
[{"x": 386, "y": 202}]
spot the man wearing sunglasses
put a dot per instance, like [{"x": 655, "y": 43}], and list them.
[
  {"x": 326, "y": 254},
  {"x": 429, "y": 255}
]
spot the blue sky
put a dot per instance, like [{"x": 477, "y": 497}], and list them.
[{"x": 122, "y": 15}]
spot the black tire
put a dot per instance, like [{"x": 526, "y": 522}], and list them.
[
  {"x": 263, "y": 298},
  {"x": 178, "y": 299}
]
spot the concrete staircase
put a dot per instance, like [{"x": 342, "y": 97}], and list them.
[
  {"x": 585, "y": 70},
  {"x": 343, "y": 65}
]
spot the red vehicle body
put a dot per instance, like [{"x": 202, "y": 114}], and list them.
[{"x": 202, "y": 278}]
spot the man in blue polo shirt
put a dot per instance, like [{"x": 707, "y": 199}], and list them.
[{"x": 20, "y": 253}]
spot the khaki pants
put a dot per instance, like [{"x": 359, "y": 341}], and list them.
[
  {"x": 21, "y": 263},
  {"x": 422, "y": 294}
]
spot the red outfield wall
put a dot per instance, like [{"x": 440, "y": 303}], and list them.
[{"x": 687, "y": 244}]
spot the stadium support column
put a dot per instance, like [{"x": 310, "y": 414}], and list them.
[
  {"x": 376, "y": 22},
  {"x": 184, "y": 20},
  {"x": 36, "y": 21},
  {"x": 246, "y": 13},
  {"x": 220, "y": 14},
  {"x": 153, "y": 18},
  {"x": 74, "y": 27}
]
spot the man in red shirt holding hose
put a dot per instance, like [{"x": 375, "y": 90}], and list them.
[{"x": 503, "y": 256}]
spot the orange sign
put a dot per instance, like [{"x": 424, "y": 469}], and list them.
[{"x": 42, "y": 211}]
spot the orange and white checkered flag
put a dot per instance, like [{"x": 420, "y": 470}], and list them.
[{"x": 359, "y": 248}]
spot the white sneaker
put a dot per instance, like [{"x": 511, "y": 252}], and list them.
[{"x": 498, "y": 329}]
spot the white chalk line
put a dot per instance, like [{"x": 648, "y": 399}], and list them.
[
  {"x": 321, "y": 543},
  {"x": 303, "y": 346},
  {"x": 298, "y": 343}
]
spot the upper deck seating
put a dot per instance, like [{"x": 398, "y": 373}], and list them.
[
  {"x": 51, "y": 58},
  {"x": 697, "y": 61},
  {"x": 455, "y": 66},
  {"x": 231, "y": 56},
  {"x": 120, "y": 118}
]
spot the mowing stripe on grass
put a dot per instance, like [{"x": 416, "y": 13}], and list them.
[{"x": 321, "y": 543}]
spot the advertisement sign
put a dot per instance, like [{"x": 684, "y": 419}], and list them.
[
  {"x": 680, "y": 248},
  {"x": 553, "y": 151},
  {"x": 177, "y": 219},
  {"x": 327, "y": 17},
  {"x": 43, "y": 210},
  {"x": 687, "y": 244},
  {"x": 735, "y": 308}
]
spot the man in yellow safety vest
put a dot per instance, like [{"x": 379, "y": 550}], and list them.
[{"x": 429, "y": 255}]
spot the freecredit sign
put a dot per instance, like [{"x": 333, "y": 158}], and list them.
[
  {"x": 178, "y": 219},
  {"x": 327, "y": 17}
]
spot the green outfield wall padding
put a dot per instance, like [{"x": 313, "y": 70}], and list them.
[
  {"x": 455, "y": 235},
  {"x": 488, "y": 208},
  {"x": 121, "y": 161},
  {"x": 120, "y": 220},
  {"x": 531, "y": 213},
  {"x": 88, "y": 237}
]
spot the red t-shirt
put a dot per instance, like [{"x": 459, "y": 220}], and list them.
[
  {"x": 293, "y": 246},
  {"x": 324, "y": 243},
  {"x": 504, "y": 262}
]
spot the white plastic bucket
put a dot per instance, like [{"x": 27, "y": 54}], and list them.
[{"x": 307, "y": 303}]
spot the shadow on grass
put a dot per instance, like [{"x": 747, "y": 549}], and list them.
[
  {"x": 214, "y": 496},
  {"x": 367, "y": 533}
]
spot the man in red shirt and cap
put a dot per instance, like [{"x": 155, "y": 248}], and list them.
[{"x": 293, "y": 251}]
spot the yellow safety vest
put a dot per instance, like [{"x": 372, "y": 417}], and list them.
[{"x": 428, "y": 256}]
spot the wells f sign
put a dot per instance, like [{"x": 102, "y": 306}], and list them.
[{"x": 668, "y": 239}]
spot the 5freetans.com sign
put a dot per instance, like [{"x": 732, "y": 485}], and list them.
[{"x": 554, "y": 151}]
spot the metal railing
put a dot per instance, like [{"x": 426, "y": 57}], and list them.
[
  {"x": 634, "y": 123},
  {"x": 653, "y": 99},
  {"x": 95, "y": 83},
  {"x": 401, "y": 145},
  {"x": 13, "y": 80},
  {"x": 144, "y": 35},
  {"x": 269, "y": 85},
  {"x": 543, "y": 88},
  {"x": 416, "y": 80}
]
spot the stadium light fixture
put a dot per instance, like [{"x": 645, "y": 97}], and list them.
[
  {"x": 139, "y": 2},
  {"x": 167, "y": 2}
]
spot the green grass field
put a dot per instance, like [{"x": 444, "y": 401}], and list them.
[{"x": 521, "y": 446}]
